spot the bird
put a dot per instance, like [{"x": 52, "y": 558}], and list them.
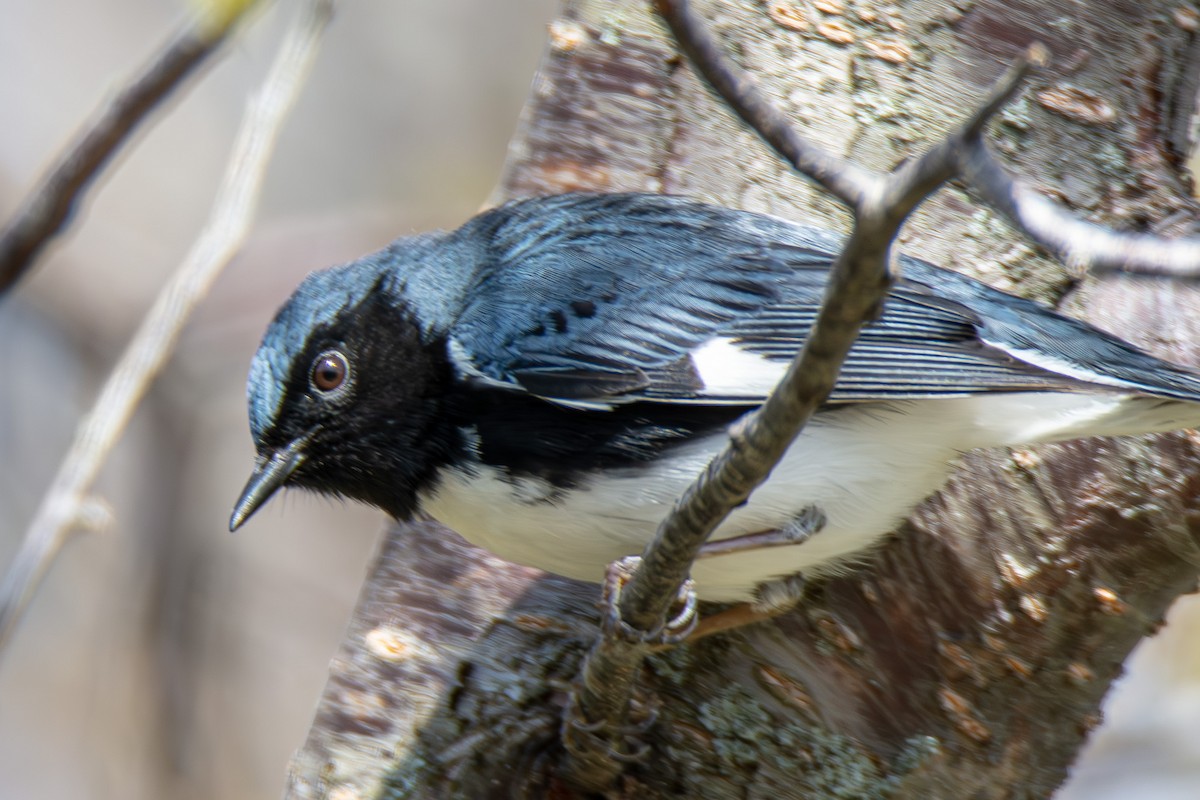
[{"x": 548, "y": 378}]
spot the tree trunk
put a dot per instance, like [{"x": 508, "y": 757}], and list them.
[{"x": 969, "y": 657}]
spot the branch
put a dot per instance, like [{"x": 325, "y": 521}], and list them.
[
  {"x": 1080, "y": 244},
  {"x": 52, "y": 201},
  {"x": 840, "y": 177},
  {"x": 858, "y": 283},
  {"x": 233, "y": 209}
]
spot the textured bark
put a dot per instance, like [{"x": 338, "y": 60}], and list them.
[{"x": 969, "y": 657}]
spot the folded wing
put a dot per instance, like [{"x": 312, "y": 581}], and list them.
[{"x": 601, "y": 300}]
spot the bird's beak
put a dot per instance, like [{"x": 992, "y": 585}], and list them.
[{"x": 270, "y": 473}]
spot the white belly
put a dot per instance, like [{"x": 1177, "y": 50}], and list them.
[
  {"x": 864, "y": 467},
  {"x": 860, "y": 469}
]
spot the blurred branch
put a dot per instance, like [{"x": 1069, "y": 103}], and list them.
[
  {"x": 1080, "y": 244},
  {"x": 233, "y": 209},
  {"x": 53, "y": 200},
  {"x": 603, "y": 705}
]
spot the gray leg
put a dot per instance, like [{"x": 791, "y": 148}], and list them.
[
  {"x": 772, "y": 597},
  {"x": 803, "y": 527}
]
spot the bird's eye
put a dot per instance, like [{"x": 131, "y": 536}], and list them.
[{"x": 329, "y": 371}]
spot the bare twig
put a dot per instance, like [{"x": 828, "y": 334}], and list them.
[
  {"x": 858, "y": 284},
  {"x": 1080, "y": 244},
  {"x": 1004, "y": 90},
  {"x": 843, "y": 179},
  {"x": 232, "y": 211},
  {"x": 52, "y": 201}
]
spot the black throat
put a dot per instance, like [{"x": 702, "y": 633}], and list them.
[
  {"x": 390, "y": 436},
  {"x": 411, "y": 416}
]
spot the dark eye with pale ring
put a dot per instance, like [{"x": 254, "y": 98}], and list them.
[{"x": 329, "y": 372}]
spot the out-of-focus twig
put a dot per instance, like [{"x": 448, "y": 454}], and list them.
[
  {"x": 232, "y": 211},
  {"x": 859, "y": 281},
  {"x": 59, "y": 191},
  {"x": 1083, "y": 246}
]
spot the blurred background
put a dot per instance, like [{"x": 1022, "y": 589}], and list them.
[{"x": 165, "y": 657}]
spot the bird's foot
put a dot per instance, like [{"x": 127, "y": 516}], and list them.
[
  {"x": 777, "y": 596},
  {"x": 774, "y": 598},
  {"x": 729, "y": 619},
  {"x": 672, "y": 632}
]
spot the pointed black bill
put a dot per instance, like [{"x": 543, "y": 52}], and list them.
[{"x": 269, "y": 475}]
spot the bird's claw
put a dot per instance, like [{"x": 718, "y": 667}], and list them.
[{"x": 672, "y": 632}]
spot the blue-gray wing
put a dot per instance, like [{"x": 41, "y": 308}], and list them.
[
  {"x": 584, "y": 296},
  {"x": 603, "y": 299}
]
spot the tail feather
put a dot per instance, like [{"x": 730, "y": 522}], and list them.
[{"x": 1038, "y": 336}]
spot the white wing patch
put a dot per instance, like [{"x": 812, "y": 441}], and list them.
[
  {"x": 729, "y": 373},
  {"x": 728, "y": 370}
]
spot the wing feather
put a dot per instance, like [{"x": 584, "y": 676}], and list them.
[{"x": 597, "y": 300}]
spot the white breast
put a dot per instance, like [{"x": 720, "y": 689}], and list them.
[{"x": 865, "y": 467}]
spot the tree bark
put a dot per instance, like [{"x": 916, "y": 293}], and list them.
[{"x": 969, "y": 656}]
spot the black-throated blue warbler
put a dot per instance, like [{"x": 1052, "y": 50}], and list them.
[{"x": 549, "y": 377}]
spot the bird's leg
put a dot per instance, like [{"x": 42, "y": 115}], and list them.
[
  {"x": 774, "y": 597},
  {"x": 803, "y": 527}
]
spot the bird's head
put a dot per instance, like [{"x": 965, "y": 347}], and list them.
[{"x": 345, "y": 394}]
